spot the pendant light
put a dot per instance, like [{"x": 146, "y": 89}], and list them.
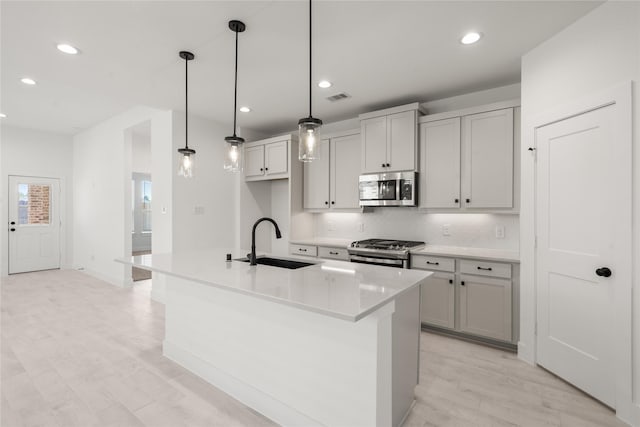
[
  {"x": 186, "y": 155},
  {"x": 309, "y": 127},
  {"x": 233, "y": 158}
]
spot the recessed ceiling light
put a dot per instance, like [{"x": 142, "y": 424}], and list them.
[
  {"x": 470, "y": 38},
  {"x": 2, "y": 115},
  {"x": 245, "y": 109},
  {"x": 324, "y": 84},
  {"x": 28, "y": 81},
  {"x": 67, "y": 48}
]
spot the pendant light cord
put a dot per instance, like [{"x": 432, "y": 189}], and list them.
[
  {"x": 310, "y": 77},
  {"x": 186, "y": 101},
  {"x": 235, "y": 90}
]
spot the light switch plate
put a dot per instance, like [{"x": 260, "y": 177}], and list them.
[
  {"x": 331, "y": 226},
  {"x": 499, "y": 231},
  {"x": 198, "y": 210},
  {"x": 446, "y": 229}
]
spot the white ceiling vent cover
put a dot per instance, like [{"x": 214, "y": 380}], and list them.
[{"x": 338, "y": 97}]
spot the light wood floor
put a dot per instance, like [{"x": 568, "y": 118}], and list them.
[{"x": 76, "y": 351}]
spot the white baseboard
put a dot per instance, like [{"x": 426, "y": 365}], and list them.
[
  {"x": 524, "y": 353},
  {"x": 245, "y": 393}
]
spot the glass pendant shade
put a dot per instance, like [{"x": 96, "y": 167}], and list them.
[
  {"x": 233, "y": 154},
  {"x": 309, "y": 139},
  {"x": 186, "y": 162}
]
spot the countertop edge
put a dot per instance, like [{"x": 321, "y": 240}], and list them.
[{"x": 460, "y": 253}]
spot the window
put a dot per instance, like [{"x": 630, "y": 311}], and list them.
[{"x": 34, "y": 203}]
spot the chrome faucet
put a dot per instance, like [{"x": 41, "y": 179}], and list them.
[{"x": 252, "y": 255}]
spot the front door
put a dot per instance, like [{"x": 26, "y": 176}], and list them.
[
  {"x": 582, "y": 247},
  {"x": 34, "y": 224}
]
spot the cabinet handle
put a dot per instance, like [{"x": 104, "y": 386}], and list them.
[
  {"x": 326, "y": 203},
  {"x": 333, "y": 202},
  {"x": 13, "y": 223},
  {"x": 261, "y": 169},
  {"x": 433, "y": 263},
  {"x": 334, "y": 253},
  {"x": 13, "y": 229},
  {"x": 302, "y": 250},
  {"x": 456, "y": 201},
  {"x": 266, "y": 169},
  {"x": 468, "y": 200},
  {"x": 461, "y": 283},
  {"x": 382, "y": 165},
  {"x": 451, "y": 281},
  {"x": 484, "y": 268},
  {"x": 388, "y": 164}
]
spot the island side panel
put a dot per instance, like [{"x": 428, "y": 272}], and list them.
[{"x": 294, "y": 366}]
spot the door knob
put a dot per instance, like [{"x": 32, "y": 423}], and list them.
[{"x": 603, "y": 272}]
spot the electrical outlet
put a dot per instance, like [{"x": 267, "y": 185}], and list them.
[
  {"x": 361, "y": 227},
  {"x": 331, "y": 226},
  {"x": 164, "y": 210},
  {"x": 198, "y": 210},
  {"x": 446, "y": 230},
  {"x": 499, "y": 231}
]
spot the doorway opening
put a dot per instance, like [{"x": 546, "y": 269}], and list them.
[{"x": 141, "y": 197}]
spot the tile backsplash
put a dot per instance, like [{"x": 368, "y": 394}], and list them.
[{"x": 468, "y": 230}]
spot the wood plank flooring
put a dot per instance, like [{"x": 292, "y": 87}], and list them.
[{"x": 76, "y": 351}]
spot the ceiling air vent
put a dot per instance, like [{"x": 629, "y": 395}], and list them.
[{"x": 338, "y": 97}]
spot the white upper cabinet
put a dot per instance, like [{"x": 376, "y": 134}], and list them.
[
  {"x": 345, "y": 151},
  {"x": 468, "y": 159},
  {"x": 276, "y": 158},
  {"x": 389, "y": 139},
  {"x": 267, "y": 159},
  {"x": 331, "y": 181},
  {"x": 487, "y": 139},
  {"x": 316, "y": 180},
  {"x": 440, "y": 164},
  {"x": 254, "y": 161}
]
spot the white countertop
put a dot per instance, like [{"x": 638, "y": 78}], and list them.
[
  {"x": 328, "y": 242},
  {"x": 471, "y": 253},
  {"x": 344, "y": 290}
]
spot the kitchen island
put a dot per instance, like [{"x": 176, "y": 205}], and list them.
[{"x": 334, "y": 343}]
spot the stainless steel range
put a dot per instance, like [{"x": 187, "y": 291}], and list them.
[{"x": 393, "y": 253}]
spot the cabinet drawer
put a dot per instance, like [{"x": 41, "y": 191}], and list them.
[
  {"x": 427, "y": 262},
  {"x": 333, "y": 253},
  {"x": 483, "y": 268},
  {"x": 307, "y": 250}
]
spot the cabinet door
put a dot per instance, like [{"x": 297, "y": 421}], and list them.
[
  {"x": 488, "y": 159},
  {"x": 401, "y": 145},
  {"x": 374, "y": 144},
  {"x": 440, "y": 165},
  {"x": 344, "y": 173},
  {"x": 275, "y": 158},
  {"x": 438, "y": 300},
  {"x": 254, "y": 161},
  {"x": 316, "y": 180},
  {"x": 485, "y": 307}
]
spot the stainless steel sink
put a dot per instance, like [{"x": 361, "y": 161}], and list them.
[{"x": 279, "y": 262}]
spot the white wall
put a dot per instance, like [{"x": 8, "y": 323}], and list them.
[
  {"x": 471, "y": 230},
  {"x": 597, "y": 52},
  {"x": 36, "y": 153},
  {"x": 141, "y": 149},
  {"x": 102, "y": 191},
  {"x": 211, "y": 189}
]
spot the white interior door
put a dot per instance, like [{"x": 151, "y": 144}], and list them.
[
  {"x": 580, "y": 232},
  {"x": 34, "y": 224}
]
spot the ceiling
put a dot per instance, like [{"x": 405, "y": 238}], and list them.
[{"x": 382, "y": 53}]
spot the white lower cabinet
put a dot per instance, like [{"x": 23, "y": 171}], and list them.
[
  {"x": 438, "y": 300},
  {"x": 478, "y": 304},
  {"x": 485, "y": 307}
]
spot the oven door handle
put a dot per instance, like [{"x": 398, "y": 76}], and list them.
[{"x": 375, "y": 260}]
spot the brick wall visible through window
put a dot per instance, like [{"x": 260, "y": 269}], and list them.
[{"x": 34, "y": 203}]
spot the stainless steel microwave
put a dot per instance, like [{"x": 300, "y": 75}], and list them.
[{"x": 388, "y": 189}]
